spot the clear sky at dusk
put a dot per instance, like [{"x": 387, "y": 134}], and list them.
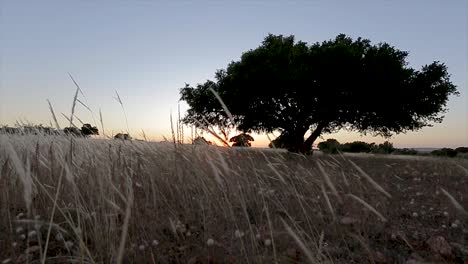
[{"x": 148, "y": 49}]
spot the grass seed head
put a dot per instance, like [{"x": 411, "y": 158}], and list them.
[{"x": 210, "y": 242}]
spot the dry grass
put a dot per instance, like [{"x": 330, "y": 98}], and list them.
[{"x": 106, "y": 201}]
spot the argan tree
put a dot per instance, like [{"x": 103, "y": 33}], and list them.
[
  {"x": 242, "y": 140},
  {"x": 307, "y": 90},
  {"x": 122, "y": 136},
  {"x": 88, "y": 130}
]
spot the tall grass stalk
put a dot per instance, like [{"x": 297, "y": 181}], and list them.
[
  {"x": 57, "y": 126},
  {"x": 128, "y": 211},
  {"x": 111, "y": 201},
  {"x": 369, "y": 178},
  {"x": 328, "y": 202},
  {"x": 75, "y": 98},
  {"x": 123, "y": 110},
  {"x": 69, "y": 120},
  {"x": 225, "y": 108},
  {"x": 368, "y": 206},
  {"x": 300, "y": 243},
  {"x": 52, "y": 214},
  {"x": 102, "y": 123},
  {"x": 455, "y": 203},
  {"x": 328, "y": 180},
  {"x": 22, "y": 172}
]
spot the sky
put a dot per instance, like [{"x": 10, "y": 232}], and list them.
[{"x": 146, "y": 50}]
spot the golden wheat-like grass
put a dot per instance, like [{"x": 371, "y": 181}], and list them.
[{"x": 108, "y": 201}]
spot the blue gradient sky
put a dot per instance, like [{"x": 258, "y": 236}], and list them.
[{"x": 147, "y": 50}]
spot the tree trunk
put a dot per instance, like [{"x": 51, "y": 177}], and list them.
[{"x": 307, "y": 145}]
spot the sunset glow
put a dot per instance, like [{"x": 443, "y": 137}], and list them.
[{"x": 148, "y": 50}]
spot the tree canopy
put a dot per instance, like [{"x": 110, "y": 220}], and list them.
[
  {"x": 122, "y": 136},
  {"x": 88, "y": 130},
  {"x": 85, "y": 131},
  {"x": 300, "y": 89},
  {"x": 242, "y": 140}
]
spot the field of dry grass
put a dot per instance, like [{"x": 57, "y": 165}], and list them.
[{"x": 65, "y": 200}]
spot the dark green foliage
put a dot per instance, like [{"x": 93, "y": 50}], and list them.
[
  {"x": 85, "y": 131},
  {"x": 462, "y": 149},
  {"x": 445, "y": 152},
  {"x": 357, "y": 147},
  {"x": 331, "y": 146},
  {"x": 241, "y": 140},
  {"x": 88, "y": 130},
  {"x": 123, "y": 136},
  {"x": 292, "y": 87},
  {"x": 384, "y": 148},
  {"x": 72, "y": 131},
  {"x": 405, "y": 151},
  {"x": 277, "y": 143}
]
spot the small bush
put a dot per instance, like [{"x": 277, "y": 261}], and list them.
[
  {"x": 445, "y": 152},
  {"x": 73, "y": 131},
  {"x": 357, "y": 147},
  {"x": 331, "y": 146},
  {"x": 123, "y": 136},
  {"x": 462, "y": 149},
  {"x": 384, "y": 148},
  {"x": 405, "y": 151}
]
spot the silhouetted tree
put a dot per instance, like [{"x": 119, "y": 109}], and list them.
[
  {"x": 278, "y": 143},
  {"x": 242, "y": 140},
  {"x": 357, "y": 147},
  {"x": 405, "y": 151},
  {"x": 386, "y": 148},
  {"x": 88, "y": 130},
  {"x": 72, "y": 131},
  {"x": 123, "y": 136},
  {"x": 462, "y": 149},
  {"x": 444, "y": 152},
  {"x": 294, "y": 87},
  {"x": 330, "y": 146}
]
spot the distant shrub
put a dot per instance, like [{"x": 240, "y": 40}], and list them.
[
  {"x": 333, "y": 146},
  {"x": 357, "y": 147},
  {"x": 384, "y": 148},
  {"x": 123, "y": 136},
  {"x": 330, "y": 146},
  {"x": 462, "y": 149},
  {"x": 405, "y": 151},
  {"x": 445, "y": 152},
  {"x": 72, "y": 131},
  {"x": 88, "y": 130},
  {"x": 85, "y": 131}
]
